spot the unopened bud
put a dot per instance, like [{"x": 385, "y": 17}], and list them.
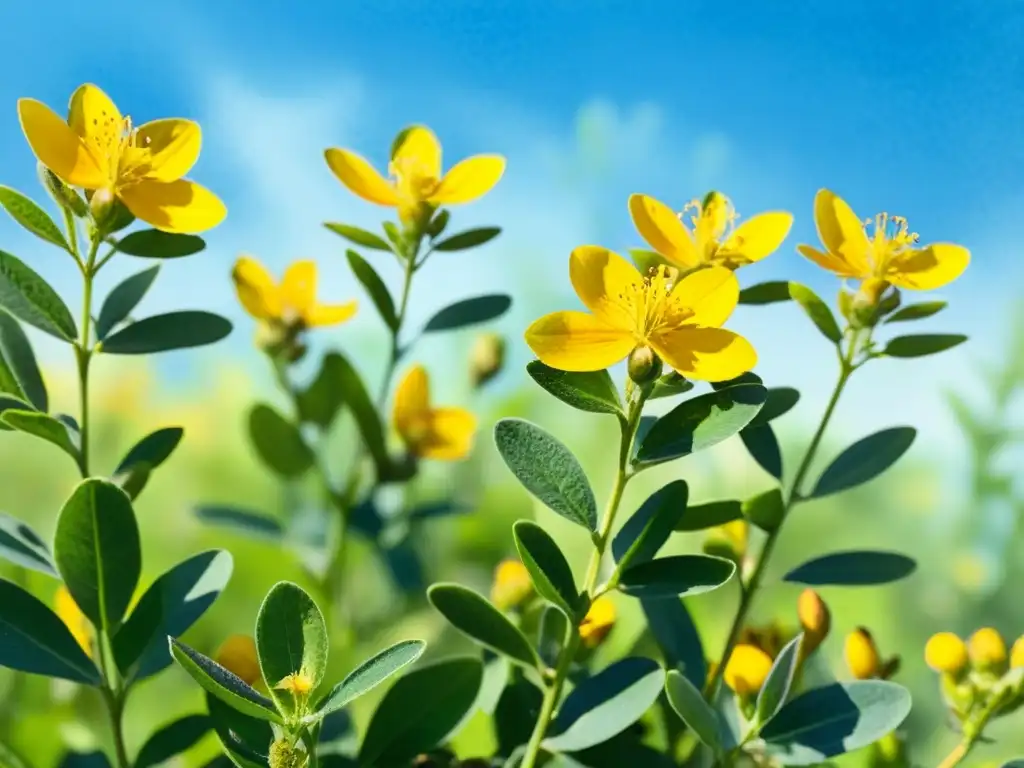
[
  {"x": 512, "y": 585},
  {"x": 728, "y": 541},
  {"x": 108, "y": 213},
  {"x": 284, "y": 754},
  {"x": 486, "y": 358},
  {"x": 862, "y": 655},
  {"x": 1017, "y": 654},
  {"x": 643, "y": 365},
  {"x": 598, "y": 622},
  {"x": 987, "y": 651},
  {"x": 746, "y": 670},
  {"x": 815, "y": 619},
  {"x": 946, "y": 653},
  {"x": 63, "y": 195}
]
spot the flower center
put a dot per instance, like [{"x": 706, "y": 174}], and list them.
[
  {"x": 712, "y": 221},
  {"x": 888, "y": 236},
  {"x": 413, "y": 180},
  {"x": 652, "y": 302}
]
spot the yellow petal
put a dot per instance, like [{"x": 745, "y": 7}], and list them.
[
  {"x": 166, "y": 149},
  {"x": 828, "y": 261},
  {"x": 577, "y": 341},
  {"x": 94, "y": 117},
  {"x": 663, "y": 231},
  {"x": 705, "y": 354},
  {"x": 360, "y": 177},
  {"x": 469, "y": 179},
  {"x": 321, "y": 315},
  {"x": 928, "y": 268},
  {"x": 420, "y": 147},
  {"x": 59, "y": 148},
  {"x": 711, "y": 294},
  {"x": 756, "y": 238},
  {"x": 256, "y": 289},
  {"x": 298, "y": 287},
  {"x": 607, "y": 285},
  {"x": 450, "y": 435},
  {"x": 174, "y": 206},
  {"x": 841, "y": 231},
  {"x": 412, "y": 400}
]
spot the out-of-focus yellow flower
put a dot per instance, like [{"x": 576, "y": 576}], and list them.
[
  {"x": 417, "y": 185},
  {"x": 98, "y": 149},
  {"x": 712, "y": 237},
  {"x": 987, "y": 650},
  {"x": 946, "y": 653},
  {"x": 815, "y": 620},
  {"x": 747, "y": 669},
  {"x": 238, "y": 655},
  {"x": 512, "y": 584},
  {"x": 889, "y": 254},
  {"x": 729, "y": 540},
  {"x": 681, "y": 321},
  {"x": 486, "y": 358},
  {"x": 428, "y": 432},
  {"x": 80, "y": 627},
  {"x": 1017, "y": 654},
  {"x": 598, "y": 622},
  {"x": 861, "y": 654},
  {"x": 292, "y": 302}
]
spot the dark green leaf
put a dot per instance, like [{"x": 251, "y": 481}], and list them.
[
  {"x": 442, "y": 694},
  {"x": 34, "y": 640},
  {"x": 354, "y": 395},
  {"x": 549, "y": 570},
  {"x": 779, "y": 682},
  {"x": 779, "y": 402},
  {"x": 94, "y": 759},
  {"x": 33, "y": 218},
  {"x": 225, "y": 685},
  {"x": 836, "y": 719},
  {"x": 97, "y": 550},
  {"x": 865, "y": 460},
  {"x": 763, "y": 447},
  {"x": 471, "y": 238},
  {"x": 438, "y": 224},
  {"x": 17, "y": 359},
  {"x": 765, "y": 510},
  {"x": 29, "y": 298},
  {"x": 678, "y": 575},
  {"x": 478, "y": 619},
  {"x": 922, "y": 344},
  {"x": 547, "y": 469},
  {"x": 242, "y": 521},
  {"x": 606, "y": 704},
  {"x": 551, "y": 634},
  {"x": 246, "y": 739},
  {"x": 916, "y": 311},
  {"x": 688, "y": 702},
  {"x": 163, "y": 333},
  {"x": 711, "y": 514},
  {"x": 173, "y": 739},
  {"x": 853, "y": 569},
  {"x": 358, "y": 236},
  {"x": 462, "y": 314},
  {"x": 146, "y": 455},
  {"x": 21, "y": 545},
  {"x": 817, "y": 310},
  {"x": 44, "y": 427},
  {"x": 155, "y": 244},
  {"x": 700, "y": 423},
  {"x": 677, "y": 636},
  {"x": 125, "y": 296},
  {"x": 670, "y": 385},
  {"x": 291, "y": 638},
  {"x": 370, "y": 674},
  {"x": 592, "y": 391},
  {"x": 321, "y": 401},
  {"x": 771, "y": 292},
  {"x": 278, "y": 442},
  {"x": 649, "y": 528},
  {"x": 374, "y": 286}
]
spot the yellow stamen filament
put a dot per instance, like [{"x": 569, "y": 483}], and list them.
[
  {"x": 888, "y": 236},
  {"x": 651, "y": 301}
]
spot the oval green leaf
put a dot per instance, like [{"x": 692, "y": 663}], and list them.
[
  {"x": 149, "y": 453},
  {"x": 779, "y": 682},
  {"x": 342, "y": 375},
  {"x": 21, "y": 545},
  {"x": 251, "y": 524},
  {"x": 291, "y": 639},
  {"x": 919, "y": 345},
  {"x": 358, "y": 236},
  {"x": 124, "y": 297},
  {"x": 711, "y": 514},
  {"x": 33, "y": 218},
  {"x": 18, "y": 364},
  {"x": 375, "y": 287},
  {"x": 779, "y": 402},
  {"x": 225, "y": 685},
  {"x": 678, "y": 575},
  {"x": 155, "y": 244},
  {"x": 772, "y": 292},
  {"x": 856, "y": 568},
  {"x": 676, "y": 634},
  {"x": 30, "y": 298},
  {"x": 278, "y": 442},
  {"x": 549, "y": 570},
  {"x": 650, "y": 526},
  {"x": 173, "y": 739},
  {"x": 163, "y": 333},
  {"x": 817, "y": 310},
  {"x": 370, "y": 674},
  {"x": 591, "y": 391},
  {"x": 670, "y": 385},
  {"x": 865, "y": 460},
  {"x": 46, "y": 428},
  {"x": 462, "y": 314},
  {"x": 688, "y": 702},
  {"x": 763, "y": 446},
  {"x": 471, "y": 238},
  {"x": 916, "y": 311}
]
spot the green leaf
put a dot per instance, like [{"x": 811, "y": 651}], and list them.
[
  {"x": 278, "y": 442},
  {"x": 44, "y": 427},
  {"x": 771, "y": 292},
  {"x": 163, "y": 333},
  {"x": 922, "y": 344},
  {"x": 155, "y": 244},
  {"x": 33, "y": 218},
  {"x": 916, "y": 311},
  {"x": 646, "y": 260},
  {"x": 251, "y": 524},
  {"x": 30, "y": 298},
  {"x": 291, "y": 638},
  {"x": 836, "y": 719},
  {"x": 688, "y": 702},
  {"x": 711, "y": 514},
  {"x": 21, "y": 545},
  {"x": 145, "y": 456},
  {"x": 700, "y": 423},
  {"x": 606, "y": 704},
  {"x": 321, "y": 401},
  {"x": 864, "y": 460},
  {"x": 225, "y": 685},
  {"x": 592, "y": 391},
  {"x": 17, "y": 359},
  {"x": 247, "y": 740},
  {"x": 779, "y": 402},
  {"x": 423, "y": 709},
  {"x": 343, "y": 376},
  {"x": 682, "y": 575},
  {"x": 125, "y": 296},
  {"x": 471, "y": 238},
  {"x": 34, "y": 640},
  {"x": 650, "y": 527},
  {"x": 172, "y": 604},
  {"x": 549, "y": 570},
  {"x": 763, "y": 447},
  {"x": 173, "y": 739},
  {"x": 97, "y": 550},
  {"x": 855, "y": 568},
  {"x": 358, "y": 236},
  {"x": 462, "y": 314},
  {"x": 438, "y": 224},
  {"x": 670, "y": 385},
  {"x": 676, "y": 634},
  {"x": 370, "y": 674},
  {"x": 817, "y": 310},
  {"x": 779, "y": 682},
  {"x": 765, "y": 510},
  {"x": 547, "y": 469},
  {"x": 374, "y": 286},
  {"x": 480, "y": 621}
]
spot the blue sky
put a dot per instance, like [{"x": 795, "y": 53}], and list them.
[{"x": 914, "y": 108}]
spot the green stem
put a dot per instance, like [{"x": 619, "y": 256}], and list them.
[
  {"x": 115, "y": 708},
  {"x": 973, "y": 730},
  {"x": 83, "y": 349}
]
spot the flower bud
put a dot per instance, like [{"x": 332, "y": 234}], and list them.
[
  {"x": 815, "y": 620},
  {"x": 63, "y": 195},
  {"x": 103, "y": 207},
  {"x": 438, "y": 223},
  {"x": 284, "y": 754},
  {"x": 1017, "y": 654},
  {"x": 987, "y": 651},
  {"x": 598, "y": 622},
  {"x": 643, "y": 365},
  {"x": 237, "y": 655},
  {"x": 862, "y": 654},
  {"x": 486, "y": 358},
  {"x": 728, "y": 541},
  {"x": 946, "y": 653},
  {"x": 747, "y": 669},
  {"x": 512, "y": 585}
]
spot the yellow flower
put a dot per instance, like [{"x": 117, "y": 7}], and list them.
[
  {"x": 293, "y": 302},
  {"x": 712, "y": 237},
  {"x": 889, "y": 254},
  {"x": 417, "y": 185},
  {"x": 598, "y": 622},
  {"x": 680, "y": 321},
  {"x": 747, "y": 670},
  {"x": 238, "y": 655},
  {"x": 861, "y": 654},
  {"x": 430, "y": 433},
  {"x": 1017, "y": 654},
  {"x": 987, "y": 650},
  {"x": 298, "y": 684},
  {"x": 98, "y": 149},
  {"x": 945, "y": 652},
  {"x": 80, "y": 627},
  {"x": 815, "y": 619},
  {"x": 512, "y": 584}
]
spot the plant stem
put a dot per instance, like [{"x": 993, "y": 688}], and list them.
[
  {"x": 973, "y": 729},
  {"x": 115, "y": 707},
  {"x": 83, "y": 349}
]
